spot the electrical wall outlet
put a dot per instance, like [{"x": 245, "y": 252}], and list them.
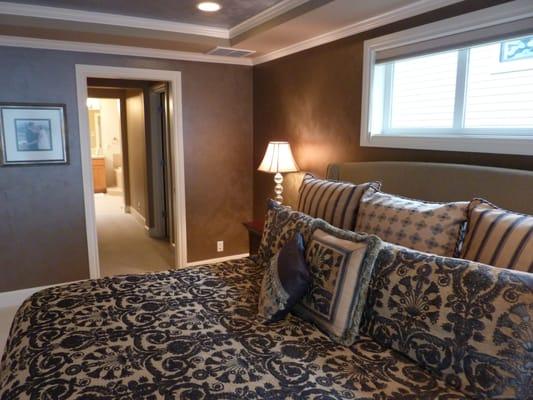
[{"x": 220, "y": 246}]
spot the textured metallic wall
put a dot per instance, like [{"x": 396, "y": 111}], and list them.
[
  {"x": 42, "y": 223},
  {"x": 313, "y": 100}
]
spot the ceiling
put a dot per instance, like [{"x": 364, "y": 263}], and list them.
[
  {"x": 232, "y": 13},
  {"x": 176, "y": 29}
]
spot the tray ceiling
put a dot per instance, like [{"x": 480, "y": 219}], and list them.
[
  {"x": 270, "y": 29},
  {"x": 232, "y": 13}
]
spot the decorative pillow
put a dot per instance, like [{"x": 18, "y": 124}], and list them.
[
  {"x": 341, "y": 263},
  {"x": 281, "y": 224},
  {"x": 432, "y": 227},
  {"x": 469, "y": 323},
  {"x": 499, "y": 237},
  {"x": 285, "y": 282},
  {"x": 334, "y": 202}
]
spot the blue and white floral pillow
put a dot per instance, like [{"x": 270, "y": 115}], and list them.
[
  {"x": 470, "y": 324},
  {"x": 341, "y": 265},
  {"x": 281, "y": 225}
]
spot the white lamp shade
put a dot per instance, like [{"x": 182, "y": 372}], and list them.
[{"x": 278, "y": 158}]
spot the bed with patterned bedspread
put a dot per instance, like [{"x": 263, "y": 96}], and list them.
[{"x": 190, "y": 334}]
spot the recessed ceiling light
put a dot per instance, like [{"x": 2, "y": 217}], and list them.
[{"x": 209, "y": 6}]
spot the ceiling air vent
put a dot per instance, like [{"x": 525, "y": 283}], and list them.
[{"x": 230, "y": 52}]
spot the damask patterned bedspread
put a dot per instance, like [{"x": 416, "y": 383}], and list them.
[{"x": 190, "y": 334}]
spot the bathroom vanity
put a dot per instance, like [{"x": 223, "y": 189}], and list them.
[{"x": 99, "y": 175}]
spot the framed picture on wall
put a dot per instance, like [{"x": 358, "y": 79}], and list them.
[{"x": 33, "y": 134}]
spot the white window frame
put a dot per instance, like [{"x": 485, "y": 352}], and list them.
[{"x": 520, "y": 142}]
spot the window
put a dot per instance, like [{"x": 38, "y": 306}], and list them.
[
  {"x": 499, "y": 91},
  {"x": 471, "y": 91}
]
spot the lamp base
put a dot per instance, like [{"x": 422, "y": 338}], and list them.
[{"x": 278, "y": 189}]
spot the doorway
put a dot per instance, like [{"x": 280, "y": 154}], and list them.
[
  {"x": 147, "y": 225},
  {"x": 105, "y": 131},
  {"x": 121, "y": 139}
]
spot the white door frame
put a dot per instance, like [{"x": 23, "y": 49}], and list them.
[{"x": 176, "y": 130}]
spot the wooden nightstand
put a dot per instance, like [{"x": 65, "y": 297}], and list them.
[{"x": 255, "y": 231}]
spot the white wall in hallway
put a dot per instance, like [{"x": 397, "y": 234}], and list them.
[{"x": 111, "y": 137}]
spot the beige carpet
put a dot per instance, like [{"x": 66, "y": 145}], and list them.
[{"x": 123, "y": 243}]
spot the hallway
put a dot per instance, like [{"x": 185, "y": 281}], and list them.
[{"x": 123, "y": 243}]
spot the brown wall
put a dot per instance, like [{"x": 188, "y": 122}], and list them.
[
  {"x": 135, "y": 128},
  {"x": 42, "y": 229},
  {"x": 313, "y": 100},
  {"x": 218, "y": 159}
]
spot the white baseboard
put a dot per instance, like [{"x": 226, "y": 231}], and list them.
[
  {"x": 16, "y": 297},
  {"x": 138, "y": 216},
  {"x": 217, "y": 260}
]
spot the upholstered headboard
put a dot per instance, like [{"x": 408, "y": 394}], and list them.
[{"x": 507, "y": 188}]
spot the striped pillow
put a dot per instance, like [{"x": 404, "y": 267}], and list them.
[
  {"x": 335, "y": 202},
  {"x": 499, "y": 237}
]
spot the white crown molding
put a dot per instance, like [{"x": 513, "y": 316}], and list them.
[
  {"x": 64, "y": 45},
  {"x": 67, "y": 14},
  {"x": 410, "y": 10},
  {"x": 265, "y": 16}
]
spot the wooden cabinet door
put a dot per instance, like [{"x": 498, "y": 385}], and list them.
[{"x": 99, "y": 177}]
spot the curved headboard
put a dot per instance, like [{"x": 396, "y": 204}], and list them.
[{"x": 507, "y": 188}]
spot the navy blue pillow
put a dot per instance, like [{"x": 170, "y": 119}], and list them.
[{"x": 287, "y": 279}]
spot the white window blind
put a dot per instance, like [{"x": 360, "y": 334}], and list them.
[
  {"x": 470, "y": 90},
  {"x": 464, "y": 91}
]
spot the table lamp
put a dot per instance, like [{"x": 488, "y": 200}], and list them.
[{"x": 278, "y": 158}]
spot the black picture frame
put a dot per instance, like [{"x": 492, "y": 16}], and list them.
[{"x": 30, "y": 136}]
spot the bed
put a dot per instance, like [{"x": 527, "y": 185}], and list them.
[
  {"x": 194, "y": 333},
  {"x": 190, "y": 334}
]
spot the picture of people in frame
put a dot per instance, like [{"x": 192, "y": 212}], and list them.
[{"x": 33, "y": 134}]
